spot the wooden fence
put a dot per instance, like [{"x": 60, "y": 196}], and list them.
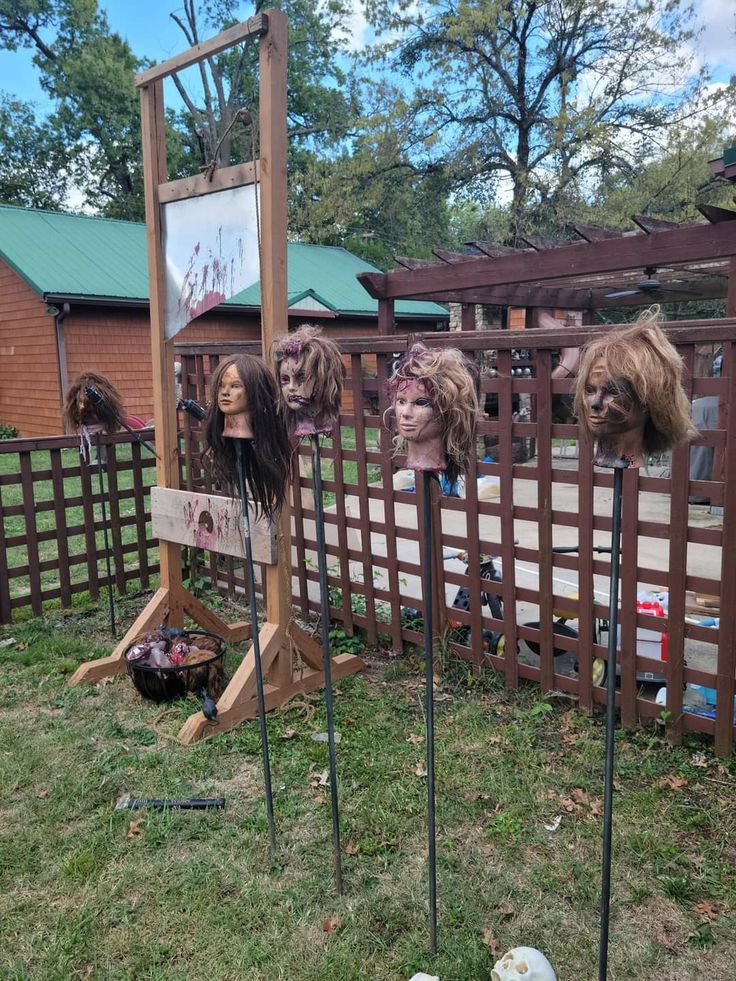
[
  {"x": 552, "y": 501},
  {"x": 51, "y": 530}
]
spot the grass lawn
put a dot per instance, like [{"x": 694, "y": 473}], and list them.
[{"x": 90, "y": 892}]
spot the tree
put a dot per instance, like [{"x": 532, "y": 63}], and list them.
[
  {"x": 544, "y": 94},
  {"x": 32, "y": 172},
  {"x": 88, "y": 73}
]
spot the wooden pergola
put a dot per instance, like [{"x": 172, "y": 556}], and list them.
[{"x": 656, "y": 261}]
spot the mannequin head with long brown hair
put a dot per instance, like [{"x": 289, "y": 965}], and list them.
[{"x": 266, "y": 454}]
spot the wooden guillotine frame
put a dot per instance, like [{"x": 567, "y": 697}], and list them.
[{"x": 279, "y": 637}]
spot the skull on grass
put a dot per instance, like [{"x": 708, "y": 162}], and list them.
[{"x": 523, "y": 964}]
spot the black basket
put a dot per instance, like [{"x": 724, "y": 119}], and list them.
[{"x": 166, "y": 684}]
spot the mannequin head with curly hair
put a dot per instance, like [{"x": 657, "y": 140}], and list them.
[
  {"x": 434, "y": 394},
  {"x": 244, "y": 405},
  {"x": 82, "y": 411},
  {"x": 310, "y": 372},
  {"x": 629, "y": 395}
]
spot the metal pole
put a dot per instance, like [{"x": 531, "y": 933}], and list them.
[
  {"x": 429, "y": 698},
  {"x": 256, "y": 649},
  {"x": 104, "y": 532},
  {"x": 618, "y": 476},
  {"x": 326, "y": 656}
]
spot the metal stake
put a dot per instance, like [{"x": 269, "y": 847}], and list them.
[
  {"x": 429, "y": 698},
  {"x": 106, "y": 538},
  {"x": 618, "y": 476},
  {"x": 324, "y": 604},
  {"x": 256, "y": 648}
]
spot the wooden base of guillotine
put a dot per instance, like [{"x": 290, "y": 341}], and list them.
[
  {"x": 238, "y": 702},
  {"x": 280, "y": 639}
]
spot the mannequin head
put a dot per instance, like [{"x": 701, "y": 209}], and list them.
[
  {"x": 434, "y": 395},
  {"x": 244, "y": 404},
  {"x": 310, "y": 372},
  {"x": 629, "y": 394},
  {"x": 80, "y": 410}
]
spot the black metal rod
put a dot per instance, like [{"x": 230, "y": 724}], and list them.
[
  {"x": 324, "y": 604},
  {"x": 429, "y": 699},
  {"x": 256, "y": 649},
  {"x": 618, "y": 476},
  {"x": 137, "y": 438},
  {"x": 108, "y": 564}
]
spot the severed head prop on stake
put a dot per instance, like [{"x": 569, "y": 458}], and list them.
[
  {"x": 629, "y": 395},
  {"x": 434, "y": 396},
  {"x": 311, "y": 374},
  {"x": 92, "y": 402},
  {"x": 244, "y": 405}
]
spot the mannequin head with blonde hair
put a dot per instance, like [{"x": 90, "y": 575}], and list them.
[{"x": 434, "y": 396}]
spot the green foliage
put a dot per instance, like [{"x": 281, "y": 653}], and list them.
[
  {"x": 32, "y": 161},
  {"x": 7, "y": 431},
  {"x": 343, "y": 643},
  {"x": 543, "y": 98}
]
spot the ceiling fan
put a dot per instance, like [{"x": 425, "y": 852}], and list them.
[{"x": 649, "y": 286}]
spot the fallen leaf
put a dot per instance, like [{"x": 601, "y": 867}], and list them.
[
  {"x": 491, "y": 943},
  {"x": 334, "y": 923},
  {"x": 415, "y": 739},
  {"x": 21, "y": 647},
  {"x": 709, "y": 910},
  {"x": 505, "y": 912},
  {"x": 42, "y": 793},
  {"x": 673, "y": 782},
  {"x": 135, "y": 827},
  {"x": 351, "y": 848},
  {"x": 290, "y": 734},
  {"x": 420, "y": 770},
  {"x": 700, "y": 760}
]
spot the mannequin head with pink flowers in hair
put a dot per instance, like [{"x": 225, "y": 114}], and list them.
[
  {"x": 310, "y": 372},
  {"x": 434, "y": 407}
]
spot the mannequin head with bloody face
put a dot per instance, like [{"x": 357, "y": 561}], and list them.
[
  {"x": 629, "y": 394},
  {"x": 310, "y": 373}
]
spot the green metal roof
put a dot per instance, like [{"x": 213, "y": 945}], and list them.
[{"x": 83, "y": 256}]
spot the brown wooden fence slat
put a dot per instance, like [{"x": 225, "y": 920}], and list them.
[
  {"x": 356, "y": 384},
  {"x": 140, "y": 516},
  {"x": 627, "y": 595},
  {"x": 678, "y": 572},
  {"x": 61, "y": 529},
  {"x": 113, "y": 516},
  {"x": 586, "y": 618},
  {"x": 34, "y": 573},
  {"x": 472, "y": 558},
  {"x": 505, "y": 446},
  {"x": 5, "y": 614},
  {"x": 297, "y": 518},
  {"x": 544, "y": 519},
  {"x": 726, "y": 663},
  {"x": 389, "y": 515},
  {"x": 90, "y": 540},
  {"x": 342, "y": 528}
]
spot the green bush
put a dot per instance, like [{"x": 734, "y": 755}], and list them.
[{"x": 7, "y": 431}]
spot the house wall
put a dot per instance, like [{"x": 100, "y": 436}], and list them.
[
  {"x": 29, "y": 380},
  {"x": 114, "y": 341}
]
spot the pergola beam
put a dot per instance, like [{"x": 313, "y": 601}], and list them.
[{"x": 692, "y": 243}]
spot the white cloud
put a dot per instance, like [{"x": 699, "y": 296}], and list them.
[
  {"x": 716, "y": 47},
  {"x": 355, "y": 33}
]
